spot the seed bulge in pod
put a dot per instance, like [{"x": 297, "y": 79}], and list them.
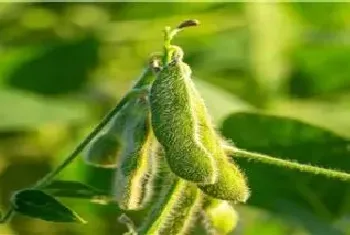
[
  {"x": 176, "y": 126},
  {"x": 175, "y": 211},
  {"x": 231, "y": 182},
  {"x": 134, "y": 178}
]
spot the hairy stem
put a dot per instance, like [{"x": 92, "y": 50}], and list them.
[
  {"x": 167, "y": 45},
  {"x": 258, "y": 157},
  {"x": 169, "y": 34}
]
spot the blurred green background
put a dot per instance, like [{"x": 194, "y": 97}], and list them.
[{"x": 64, "y": 65}]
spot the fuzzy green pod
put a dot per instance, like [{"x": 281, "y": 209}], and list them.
[
  {"x": 219, "y": 217},
  {"x": 175, "y": 210},
  {"x": 133, "y": 185},
  {"x": 231, "y": 182},
  {"x": 176, "y": 126}
]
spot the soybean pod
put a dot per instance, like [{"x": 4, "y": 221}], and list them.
[
  {"x": 175, "y": 125},
  {"x": 175, "y": 211},
  {"x": 134, "y": 178},
  {"x": 231, "y": 183}
]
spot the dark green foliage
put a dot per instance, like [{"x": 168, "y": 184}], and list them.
[
  {"x": 59, "y": 69},
  {"x": 37, "y": 204},
  {"x": 291, "y": 139},
  {"x": 320, "y": 70},
  {"x": 73, "y": 189}
]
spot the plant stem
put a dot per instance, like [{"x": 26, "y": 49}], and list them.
[
  {"x": 330, "y": 173},
  {"x": 169, "y": 34},
  {"x": 7, "y": 216},
  {"x": 167, "y": 45},
  {"x": 49, "y": 177}
]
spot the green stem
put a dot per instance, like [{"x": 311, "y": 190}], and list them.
[
  {"x": 7, "y": 216},
  {"x": 169, "y": 34},
  {"x": 167, "y": 45},
  {"x": 49, "y": 177},
  {"x": 238, "y": 153}
]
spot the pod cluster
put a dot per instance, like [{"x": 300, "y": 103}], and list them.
[
  {"x": 169, "y": 127},
  {"x": 182, "y": 125}
]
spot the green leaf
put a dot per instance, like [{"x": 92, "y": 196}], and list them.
[
  {"x": 73, "y": 189},
  {"x": 287, "y": 138},
  {"x": 23, "y": 111},
  {"x": 317, "y": 226},
  {"x": 37, "y": 204}
]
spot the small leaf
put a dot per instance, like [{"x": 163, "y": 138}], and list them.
[
  {"x": 37, "y": 204},
  {"x": 73, "y": 189}
]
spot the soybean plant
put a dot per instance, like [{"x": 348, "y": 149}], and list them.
[{"x": 160, "y": 129}]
